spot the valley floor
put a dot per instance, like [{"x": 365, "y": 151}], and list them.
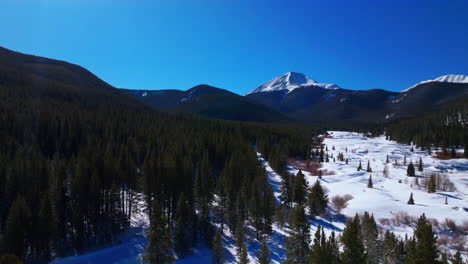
[{"x": 387, "y": 200}]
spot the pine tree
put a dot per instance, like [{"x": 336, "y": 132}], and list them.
[
  {"x": 387, "y": 160},
  {"x": 359, "y": 167},
  {"x": 182, "y": 233},
  {"x": 431, "y": 184},
  {"x": 457, "y": 258},
  {"x": 410, "y": 257},
  {"x": 300, "y": 188},
  {"x": 426, "y": 247},
  {"x": 242, "y": 257},
  {"x": 160, "y": 245},
  {"x": 286, "y": 191},
  {"x": 317, "y": 200},
  {"x": 218, "y": 248},
  {"x": 392, "y": 249},
  {"x": 411, "y": 200},
  {"x": 420, "y": 165},
  {"x": 323, "y": 250},
  {"x": 369, "y": 169},
  {"x": 351, "y": 238},
  {"x": 370, "y": 239},
  {"x": 263, "y": 255},
  {"x": 369, "y": 182},
  {"x": 410, "y": 171},
  {"x": 297, "y": 244},
  {"x": 17, "y": 228}
]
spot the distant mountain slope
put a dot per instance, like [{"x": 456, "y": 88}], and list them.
[
  {"x": 43, "y": 78},
  {"x": 302, "y": 99},
  {"x": 208, "y": 101}
]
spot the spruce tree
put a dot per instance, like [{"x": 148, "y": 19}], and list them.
[
  {"x": 160, "y": 245},
  {"x": 354, "y": 252},
  {"x": 392, "y": 249},
  {"x": 420, "y": 165},
  {"x": 431, "y": 184},
  {"x": 410, "y": 171},
  {"x": 182, "y": 232},
  {"x": 286, "y": 191},
  {"x": 370, "y": 239},
  {"x": 300, "y": 188},
  {"x": 218, "y": 248},
  {"x": 411, "y": 200},
  {"x": 359, "y": 167},
  {"x": 242, "y": 257},
  {"x": 297, "y": 244},
  {"x": 426, "y": 243},
  {"x": 370, "y": 184},
  {"x": 317, "y": 200},
  {"x": 369, "y": 169},
  {"x": 263, "y": 255},
  {"x": 410, "y": 257}
]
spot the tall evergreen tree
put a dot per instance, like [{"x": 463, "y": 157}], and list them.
[
  {"x": 317, "y": 200},
  {"x": 370, "y": 235},
  {"x": 426, "y": 248},
  {"x": 359, "y": 167},
  {"x": 286, "y": 190},
  {"x": 353, "y": 252},
  {"x": 420, "y": 165},
  {"x": 410, "y": 171},
  {"x": 297, "y": 244},
  {"x": 369, "y": 169},
  {"x": 160, "y": 245},
  {"x": 370, "y": 184},
  {"x": 242, "y": 256},
  {"x": 300, "y": 188},
  {"x": 182, "y": 232},
  {"x": 431, "y": 184},
  {"x": 411, "y": 200},
  {"x": 218, "y": 248},
  {"x": 263, "y": 255},
  {"x": 392, "y": 249}
]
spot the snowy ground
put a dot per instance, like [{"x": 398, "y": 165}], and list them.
[{"x": 388, "y": 197}]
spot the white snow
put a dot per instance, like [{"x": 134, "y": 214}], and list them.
[
  {"x": 451, "y": 78},
  {"x": 290, "y": 81}
]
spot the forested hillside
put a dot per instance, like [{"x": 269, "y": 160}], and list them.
[
  {"x": 444, "y": 128},
  {"x": 76, "y": 152}
]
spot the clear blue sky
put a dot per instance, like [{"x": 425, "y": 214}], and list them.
[{"x": 240, "y": 44}]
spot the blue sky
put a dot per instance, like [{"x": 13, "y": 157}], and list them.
[{"x": 240, "y": 44}]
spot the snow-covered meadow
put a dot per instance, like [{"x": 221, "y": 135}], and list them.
[{"x": 386, "y": 200}]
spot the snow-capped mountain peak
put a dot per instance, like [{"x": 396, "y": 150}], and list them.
[
  {"x": 290, "y": 81},
  {"x": 451, "y": 78}
]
